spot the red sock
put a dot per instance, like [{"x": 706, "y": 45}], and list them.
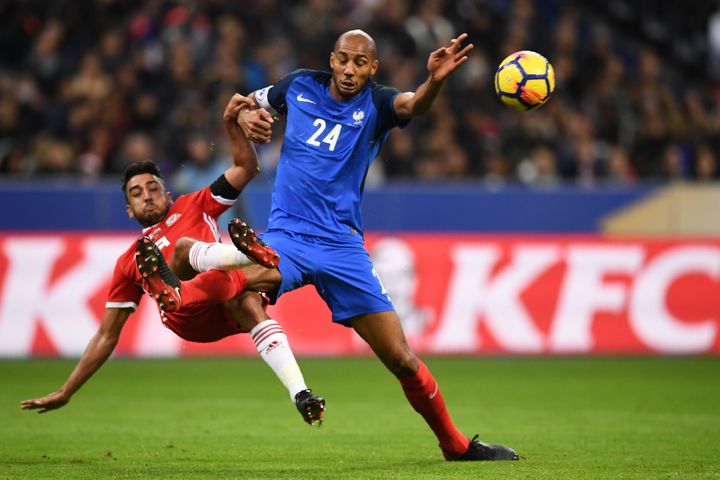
[
  {"x": 213, "y": 286},
  {"x": 424, "y": 395}
]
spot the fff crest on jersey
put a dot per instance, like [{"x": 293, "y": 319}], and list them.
[
  {"x": 358, "y": 117},
  {"x": 172, "y": 219}
]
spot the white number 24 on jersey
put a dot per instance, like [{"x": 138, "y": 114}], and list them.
[{"x": 331, "y": 138}]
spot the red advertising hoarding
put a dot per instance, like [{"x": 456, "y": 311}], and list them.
[{"x": 455, "y": 294}]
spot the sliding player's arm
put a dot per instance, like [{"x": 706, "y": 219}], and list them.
[
  {"x": 98, "y": 350},
  {"x": 245, "y": 161}
]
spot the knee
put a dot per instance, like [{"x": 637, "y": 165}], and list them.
[
  {"x": 247, "y": 309},
  {"x": 180, "y": 261},
  {"x": 182, "y": 249},
  {"x": 402, "y": 363}
]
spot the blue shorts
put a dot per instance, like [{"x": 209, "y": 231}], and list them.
[{"x": 342, "y": 273}]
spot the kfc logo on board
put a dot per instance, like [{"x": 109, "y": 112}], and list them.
[{"x": 454, "y": 294}]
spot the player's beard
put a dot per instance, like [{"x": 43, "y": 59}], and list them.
[{"x": 151, "y": 218}]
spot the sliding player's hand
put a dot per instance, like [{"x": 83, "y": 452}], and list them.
[
  {"x": 232, "y": 110},
  {"x": 46, "y": 403},
  {"x": 256, "y": 125}
]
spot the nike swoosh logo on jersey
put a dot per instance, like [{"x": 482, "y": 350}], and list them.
[{"x": 300, "y": 98}]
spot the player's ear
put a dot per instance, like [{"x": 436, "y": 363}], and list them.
[
  {"x": 374, "y": 66},
  {"x": 332, "y": 59},
  {"x": 129, "y": 211}
]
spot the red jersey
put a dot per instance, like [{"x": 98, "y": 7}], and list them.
[{"x": 195, "y": 216}]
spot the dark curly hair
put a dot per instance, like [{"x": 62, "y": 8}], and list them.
[{"x": 137, "y": 168}]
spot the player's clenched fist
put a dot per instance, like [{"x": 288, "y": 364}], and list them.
[
  {"x": 242, "y": 116},
  {"x": 256, "y": 124},
  {"x": 232, "y": 110}
]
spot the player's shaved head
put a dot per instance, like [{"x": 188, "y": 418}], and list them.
[
  {"x": 357, "y": 35},
  {"x": 353, "y": 62}
]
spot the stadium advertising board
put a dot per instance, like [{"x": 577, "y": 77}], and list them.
[{"x": 456, "y": 294}]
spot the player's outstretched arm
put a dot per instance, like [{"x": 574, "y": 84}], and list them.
[
  {"x": 441, "y": 64},
  {"x": 98, "y": 350}
]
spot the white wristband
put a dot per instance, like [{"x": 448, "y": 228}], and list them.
[{"x": 261, "y": 98}]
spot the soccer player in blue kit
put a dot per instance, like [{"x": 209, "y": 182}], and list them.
[{"x": 336, "y": 123}]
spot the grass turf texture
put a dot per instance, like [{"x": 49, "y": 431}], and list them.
[{"x": 569, "y": 418}]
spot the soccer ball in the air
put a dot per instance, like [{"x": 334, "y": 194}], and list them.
[{"x": 524, "y": 80}]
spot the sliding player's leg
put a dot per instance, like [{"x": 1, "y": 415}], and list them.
[
  {"x": 245, "y": 240},
  {"x": 163, "y": 284},
  {"x": 248, "y": 310},
  {"x": 191, "y": 256},
  {"x": 159, "y": 281}
]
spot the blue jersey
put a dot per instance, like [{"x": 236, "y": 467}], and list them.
[{"x": 327, "y": 150}]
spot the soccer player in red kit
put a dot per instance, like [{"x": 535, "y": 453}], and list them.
[{"x": 218, "y": 279}]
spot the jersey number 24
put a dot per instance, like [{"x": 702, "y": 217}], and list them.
[{"x": 331, "y": 138}]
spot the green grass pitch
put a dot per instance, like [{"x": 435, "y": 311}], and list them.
[{"x": 569, "y": 418}]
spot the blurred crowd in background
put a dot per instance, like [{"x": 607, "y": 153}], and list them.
[{"x": 88, "y": 86}]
